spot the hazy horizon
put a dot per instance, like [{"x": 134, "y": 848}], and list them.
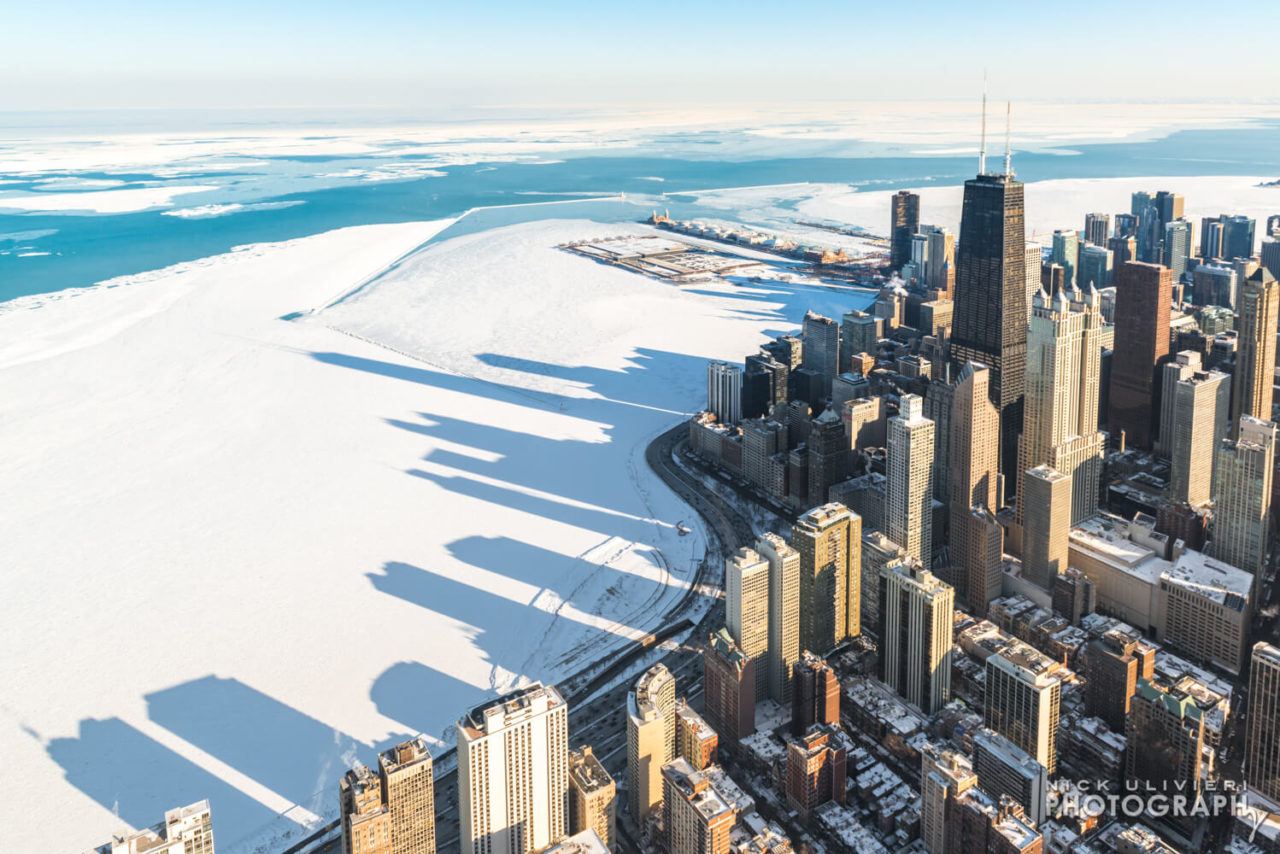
[{"x": 389, "y": 54}]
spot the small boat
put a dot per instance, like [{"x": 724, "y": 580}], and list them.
[{"x": 683, "y": 530}]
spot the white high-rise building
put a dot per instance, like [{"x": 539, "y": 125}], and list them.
[
  {"x": 746, "y": 587},
  {"x": 724, "y": 391},
  {"x": 1182, "y": 366},
  {"x": 185, "y": 830},
  {"x": 909, "y": 514},
  {"x": 1023, "y": 699},
  {"x": 1034, "y": 259},
  {"x": 784, "y": 614},
  {"x": 513, "y": 773},
  {"x": 1242, "y": 492},
  {"x": 1060, "y": 425},
  {"x": 1201, "y": 407},
  {"x": 916, "y": 614}
]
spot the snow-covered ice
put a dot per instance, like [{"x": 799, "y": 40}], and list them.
[
  {"x": 100, "y": 201},
  {"x": 254, "y": 529}
]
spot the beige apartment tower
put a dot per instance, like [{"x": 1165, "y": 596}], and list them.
[
  {"x": 513, "y": 773},
  {"x": 1060, "y": 424},
  {"x": 592, "y": 794},
  {"x": 1258, "y": 306},
  {"x": 1262, "y": 729},
  {"x": 784, "y": 614},
  {"x": 746, "y": 586},
  {"x": 366, "y": 821},
  {"x": 408, "y": 785},
  {"x": 651, "y": 738},
  {"x": 909, "y": 510},
  {"x": 829, "y": 540},
  {"x": 976, "y": 539},
  {"x": 1046, "y": 494}
]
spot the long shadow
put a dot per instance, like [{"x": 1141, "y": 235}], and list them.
[
  {"x": 130, "y": 773},
  {"x": 607, "y": 523},
  {"x": 543, "y": 568},
  {"x": 286, "y": 750},
  {"x": 415, "y": 695}
]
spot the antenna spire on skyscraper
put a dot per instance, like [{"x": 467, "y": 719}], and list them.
[
  {"x": 1008, "y": 152},
  {"x": 982, "y": 148}
]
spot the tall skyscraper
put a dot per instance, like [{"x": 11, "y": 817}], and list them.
[
  {"x": 821, "y": 347},
  {"x": 1271, "y": 255},
  {"x": 941, "y": 266},
  {"x": 817, "y": 695},
  {"x": 1237, "y": 236},
  {"x": 1066, "y": 251},
  {"x": 1064, "y": 356},
  {"x": 829, "y": 454},
  {"x": 972, "y": 482},
  {"x": 1023, "y": 698},
  {"x": 728, "y": 688},
  {"x": 1198, "y": 424},
  {"x": 1097, "y": 229},
  {"x": 991, "y": 295},
  {"x": 746, "y": 587},
  {"x": 905, "y": 222},
  {"x": 1144, "y": 294},
  {"x": 1242, "y": 489},
  {"x": 651, "y": 738},
  {"x": 1046, "y": 524},
  {"x": 829, "y": 540},
  {"x": 1177, "y": 247},
  {"x": 1262, "y": 728},
  {"x": 724, "y": 391},
  {"x": 1126, "y": 226},
  {"x": 1123, "y": 250},
  {"x": 909, "y": 510},
  {"x": 185, "y": 830},
  {"x": 1150, "y": 230},
  {"x": 1180, "y": 366},
  {"x": 1035, "y": 272},
  {"x": 513, "y": 772},
  {"x": 916, "y": 613},
  {"x": 1095, "y": 267},
  {"x": 1254, "y": 376},
  {"x": 408, "y": 789},
  {"x": 784, "y": 613}
]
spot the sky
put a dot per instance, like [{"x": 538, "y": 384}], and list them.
[{"x": 442, "y": 56}]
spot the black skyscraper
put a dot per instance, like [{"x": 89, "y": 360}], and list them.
[
  {"x": 991, "y": 299},
  {"x": 906, "y": 222}
]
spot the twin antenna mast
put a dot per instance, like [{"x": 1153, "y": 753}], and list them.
[{"x": 1008, "y": 125}]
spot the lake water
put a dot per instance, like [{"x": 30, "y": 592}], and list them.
[{"x": 286, "y": 198}]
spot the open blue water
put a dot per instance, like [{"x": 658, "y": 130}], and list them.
[{"x": 41, "y": 252}]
